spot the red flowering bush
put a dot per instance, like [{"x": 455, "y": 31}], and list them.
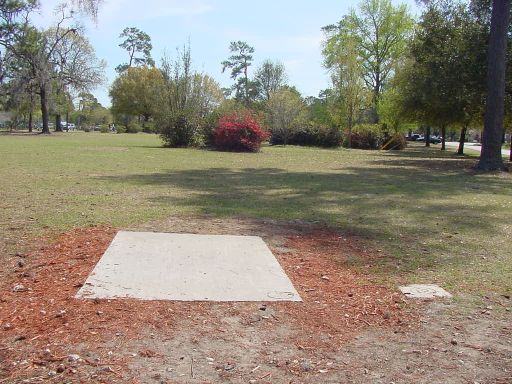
[{"x": 239, "y": 131}]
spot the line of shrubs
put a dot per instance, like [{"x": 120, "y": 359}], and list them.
[
  {"x": 244, "y": 131},
  {"x": 311, "y": 136},
  {"x": 363, "y": 136}
]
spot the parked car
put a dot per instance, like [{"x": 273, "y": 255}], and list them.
[
  {"x": 414, "y": 137},
  {"x": 433, "y": 139},
  {"x": 436, "y": 139}
]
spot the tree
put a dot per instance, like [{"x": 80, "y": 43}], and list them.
[
  {"x": 286, "y": 111},
  {"x": 89, "y": 112},
  {"x": 341, "y": 58},
  {"x": 76, "y": 67},
  {"x": 380, "y": 32},
  {"x": 448, "y": 41},
  {"x": 318, "y": 109},
  {"x": 188, "y": 99},
  {"x": 22, "y": 43},
  {"x": 87, "y": 103},
  {"x": 239, "y": 63},
  {"x": 391, "y": 111},
  {"x": 269, "y": 78},
  {"x": 18, "y": 88},
  {"x": 178, "y": 75},
  {"x": 136, "y": 42},
  {"x": 87, "y": 7},
  {"x": 37, "y": 50},
  {"x": 205, "y": 94},
  {"x": 137, "y": 92},
  {"x": 20, "y": 100},
  {"x": 491, "y": 158},
  {"x": 34, "y": 48}
]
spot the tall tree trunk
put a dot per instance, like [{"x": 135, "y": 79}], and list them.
[
  {"x": 58, "y": 121},
  {"x": 44, "y": 110},
  {"x": 462, "y": 140},
  {"x": 376, "y": 94},
  {"x": 31, "y": 113},
  {"x": 491, "y": 158},
  {"x": 30, "y": 119},
  {"x": 443, "y": 138},
  {"x": 427, "y": 137}
]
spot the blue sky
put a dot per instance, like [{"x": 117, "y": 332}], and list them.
[{"x": 284, "y": 30}]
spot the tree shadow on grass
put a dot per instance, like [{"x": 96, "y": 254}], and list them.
[
  {"x": 393, "y": 204},
  {"x": 19, "y": 133}
]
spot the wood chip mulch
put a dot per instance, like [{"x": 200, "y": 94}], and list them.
[
  {"x": 41, "y": 321},
  {"x": 339, "y": 302}
]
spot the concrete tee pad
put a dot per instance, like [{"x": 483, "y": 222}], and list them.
[
  {"x": 182, "y": 267},
  {"x": 424, "y": 291}
]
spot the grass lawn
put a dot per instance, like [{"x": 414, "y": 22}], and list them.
[{"x": 433, "y": 218}]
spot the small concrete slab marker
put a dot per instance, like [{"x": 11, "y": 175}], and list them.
[
  {"x": 424, "y": 291},
  {"x": 186, "y": 267}
]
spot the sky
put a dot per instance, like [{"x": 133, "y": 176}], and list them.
[{"x": 282, "y": 30}]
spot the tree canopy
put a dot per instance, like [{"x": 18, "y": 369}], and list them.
[
  {"x": 47, "y": 60},
  {"x": 239, "y": 62},
  {"x": 269, "y": 78},
  {"x": 378, "y": 32},
  {"x": 137, "y": 92},
  {"x": 138, "y": 45}
]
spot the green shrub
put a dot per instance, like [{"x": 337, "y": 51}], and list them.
[
  {"x": 87, "y": 129},
  {"x": 104, "y": 128},
  {"x": 314, "y": 136},
  {"x": 365, "y": 136},
  {"x": 207, "y": 127},
  {"x": 133, "y": 127},
  {"x": 120, "y": 128},
  {"x": 149, "y": 127},
  {"x": 178, "y": 131}
]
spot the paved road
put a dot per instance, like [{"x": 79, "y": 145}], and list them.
[{"x": 474, "y": 147}]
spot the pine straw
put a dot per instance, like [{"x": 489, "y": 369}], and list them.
[{"x": 40, "y": 326}]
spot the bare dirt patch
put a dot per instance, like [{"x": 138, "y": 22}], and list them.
[{"x": 350, "y": 328}]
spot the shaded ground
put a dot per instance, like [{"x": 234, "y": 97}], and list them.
[{"x": 350, "y": 328}]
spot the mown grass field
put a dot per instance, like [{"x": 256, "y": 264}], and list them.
[{"x": 433, "y": 218}]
